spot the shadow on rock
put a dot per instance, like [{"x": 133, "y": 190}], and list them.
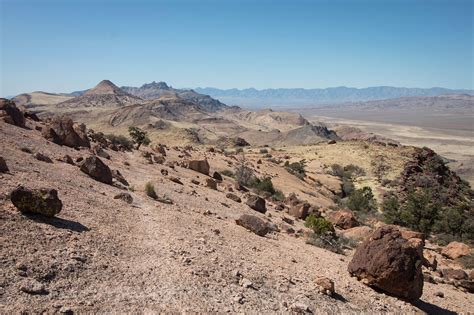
[
  {"x": 431, "y": 308},
  {"x": 60, "y": 223}
]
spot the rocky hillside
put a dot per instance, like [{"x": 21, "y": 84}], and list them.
[{"x": 90, "y": 227}]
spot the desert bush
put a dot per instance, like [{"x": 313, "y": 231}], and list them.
[
  {"x": 265, "y": 186},
  {"x": 347, "y": 187},
  {"x": 243, "y": 173},
  {"x": 150, "y": 190},
  {"x": 327, "y": 242},
  {"x": 297, "y": 168},
  {"x": 120, "y": 140},
  {"x": 139, "y": 137},
  {"x": 347, "y": 172},
  {"x": 362, "y": 200},
  {"x": 319, "y": 225},
  {"x": 228, "y": 173}
]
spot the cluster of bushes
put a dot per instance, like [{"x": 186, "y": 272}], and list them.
[
  {"x": 347, "y": 174},
  {"x": 324, "y": 235},
  {"x": 362, "y": 200},
  {"x": 422, "y": 211},
  {"x": 245, "y": 176},
  {"x": 296, "y": 168},
  {"x": 120, "y": 140}
]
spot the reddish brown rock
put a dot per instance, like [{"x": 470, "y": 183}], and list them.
[
  {"x": 201, "y": 166},
  {"x": 95, "y": 168},
  {"x": 210, "y": 183},
  {"x": 256, "y": 203},
  {"x": 455, "y": 250},
  {"x": 454, "y": 274},
  {"x": 325, "y": 285},
  {"x": 61, "y": 130},
  {"x": 343, "y": 219},
  {"x": 233, "y": 197},
  {"x": 358, "y": 233},
  {"x": 302, "y": 210},
  {"x": 10, "y": 113},
  {"x": 3, "y": 165},
  {"x": 253, "y": 223},
  {"x": 390, "y": 263}
]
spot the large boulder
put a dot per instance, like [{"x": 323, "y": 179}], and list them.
[
  {"x": 95, "y": 168},
  {"x": 256, "y": 203},
  {"x": 455, "y": 250},
  {"x": 39, "y": 201},
  {"x": 303, "y": 210},
  {"x": 343, "y": 219},
  {"x": 357, "y": 234},
  {"x": 389, "y": 263},
  {"x": 201, "y": 166},
  {"x": 253, "y": 223},
  {"x": 10, "y": 113},
  {"x": 3, "y": 165},
  {"x": 61, "y": 130}
]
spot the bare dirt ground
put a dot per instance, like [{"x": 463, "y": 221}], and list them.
[{"x": 103, "y": 255}]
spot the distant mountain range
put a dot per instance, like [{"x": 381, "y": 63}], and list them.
[{"x": 315, "y": 97}]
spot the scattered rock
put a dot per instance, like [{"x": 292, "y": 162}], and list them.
[
  {"x": 99, "y": 151},
  {"x": 287, "y": 228},
  {"x": 31, "y": 286},
  {"x": 439, "y": 294},
  {"x": 388, "y": 262},
  {"x": 95, "y": 168},
  {"x": 240, "y": 142},
  {"x": 325, "y": 285},
  {"x": 332, "y": 142},
  {"x": 299, "y": 308},
  {"x": 233, "y": 197},
  {"x": 256, "y": 203},
  {"x": 195, "y": 181},
  {"x": 343, "y": 219},
  {"x": 3, "y": 165},
  {"x": 201, "y": 166},
  {"x": 454, "y": 274},
  {"x": 288, "y": 220},
  {"x": 217, "y": 176},
  {"x": 40, "y": 201},
  {"x": 253, "y": 223},
  {"x": 210, "y": 183},
  {"x": 455, "y": 250},
  {"x": 67, "y": 159},
  {"x": 429, "y": 260},
  {"x": 175, "y": 180},
  {"x": 358, "y": 233},
  {"x": 119, "y": 177},
  {"x": 300, "y": 211},
  {"x": 125, "y": 197},
  {"x": 61, "y": 130},
  {"x": 41, "y": 157},
  {"x": 164, "y": 172},
  {"x": 10, "y": 113},
  {"x": 246, "y": 283}
]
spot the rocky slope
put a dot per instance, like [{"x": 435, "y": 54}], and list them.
[{"x": 114, "y": 249}]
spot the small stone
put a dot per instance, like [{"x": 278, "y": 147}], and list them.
[
  {"x": 439, "y": 294},
  {"x": 246, "y": 283},
  {"x": 33, "y": 287},
  {"x": 299, "y": 307}
]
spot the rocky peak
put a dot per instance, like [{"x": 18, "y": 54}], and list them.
[
  {"x": 105, "y": 87},
  {"x": 156, "y": 85}
]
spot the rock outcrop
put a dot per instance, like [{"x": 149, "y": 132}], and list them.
[
  {"x": 256, "y": 203},
  {"x": 10, "y": 113},
  {"x": 389, "y": 263},
  {"x": 38, "y": 201},
  {"x": 61, "y": 130}
]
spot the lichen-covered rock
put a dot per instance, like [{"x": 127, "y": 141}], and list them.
[
  {"x": 201, "y": 166},
  {"x": 95, "y": 168},
  {"x": 256, "y": 203},
  {"x": 253, "y": 223},
  {"x": 40, "y": 201},
  {"x": 390, "y": 263},
  {"x": 61, "y": 130}
]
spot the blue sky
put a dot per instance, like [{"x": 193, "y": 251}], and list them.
[{"x": 61, "y": 46}]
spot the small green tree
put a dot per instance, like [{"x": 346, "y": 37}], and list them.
[
  {"x": 139, "y": 136},
  {"x": 420, "y": 212},
  {"x": 362, "y": 200},
  {"x": 319, "y": 225},
  {"x": 391, "y": 210}
]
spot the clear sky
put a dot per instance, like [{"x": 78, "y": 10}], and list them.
[{"x": 67, "y": 45}]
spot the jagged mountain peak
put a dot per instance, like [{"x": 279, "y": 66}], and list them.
[{"x": 105, "y": 87}]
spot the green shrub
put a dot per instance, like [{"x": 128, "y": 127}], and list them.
[
  {"x": 319, "y": 225},
  {"x": 362, "y": 200},
  {"x": 467, "y": 261},
  {"x": 120, "y": 140},
  {"x": 265, "y": 186},
  {"x": 139, "y": 137},
  {"x": 297, "y": 168},
  {"x": 347, "y": 172},
  {"x": 327, "y": 242},
  {"x": 150, "y": 190}
]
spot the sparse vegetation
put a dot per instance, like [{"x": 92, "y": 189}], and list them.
[
  {"x": 319, "y": 225},
  {"x": 297, "y": 168},
  {"x": 243, "y": 173},
  {"x": 265, "y": 186},
  {"x": 150, "y": 190},
  {"x": 362, "y": 200},
  {"x": 227, "y": 173},
  {"x": 139, "y": 137},
  {"x": 120, "y": 140}
]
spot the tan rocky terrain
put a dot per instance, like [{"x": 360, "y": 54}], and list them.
[{"x": 183, "y": 250}]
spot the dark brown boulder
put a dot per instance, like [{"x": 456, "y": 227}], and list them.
[
  {"x": 61, "y": 130},
  {"x": 40, "y": 201},
  {"x": 256, "y": 203},
  {"x": 42, "y": 157},
  {"x": 217, "y": 176},
  {"x": 233, "y": 197},
  {"x": 125, "y": 197},
  {"x": 253, "y": 223},
  {"x": 119, "y": 177},
  {"x": 389, "y": 263},
  {"x": 67, "y": 159},
  {"x": 3, "y": 165},
  {"x": 95, "y": 168},
  {"x": 343, "y": 219},
  {"x": 201, "y": 166},
  {"x": 211, "y": 183},
  {"x": 10, "y": 113},
  {"x": 303, "y": 210}
]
